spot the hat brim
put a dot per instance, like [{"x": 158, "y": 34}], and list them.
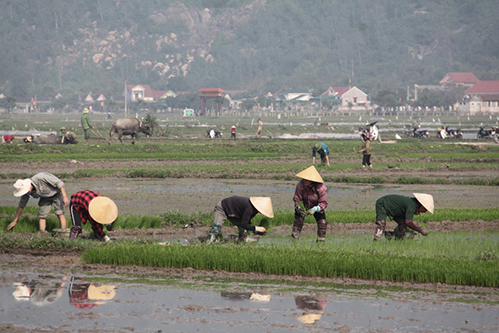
[
  {"x": 263, "y": 205},
  {"x": 426, "y": 200},
  {"x": 103, "y": 210},
  {"x": 310, "y": 174},
  {"x": 24, "y": 187}
]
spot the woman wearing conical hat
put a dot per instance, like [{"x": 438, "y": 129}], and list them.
[
  {"x": 240, "y": 210},
  {"x": 310, "y": 199},
  {"x": 401, "y": 209},
  {"x": 90, "y": 206}
]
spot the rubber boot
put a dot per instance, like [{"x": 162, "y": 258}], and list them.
[
  {"x": 380, "y": 229},
  {"x": 243, "y": 234},
  {"x": 297, "y": 226},
  {"x": 74, "y": 232},
  {"x": 321, "y": 230},
  {"x": 400, "y": 233},
  {"x": 214, "y": 232}
]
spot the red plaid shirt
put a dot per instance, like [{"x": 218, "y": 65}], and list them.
[{"x": 80, "y": 202}]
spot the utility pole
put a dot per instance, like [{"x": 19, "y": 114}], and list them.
[{"x": 126, "y": 97}]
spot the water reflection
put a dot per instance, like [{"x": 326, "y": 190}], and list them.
[
  {"x": 314, "y": 307},
  {"x": 40, "y": 291},
  {"x": 240, "y": 296},
  {"x": 86, "y": 295}
]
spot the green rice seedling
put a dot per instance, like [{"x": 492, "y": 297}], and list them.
[{"x": 316, "y": 261}]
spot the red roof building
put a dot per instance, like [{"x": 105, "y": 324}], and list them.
[
  {"x": 483, "y": 98},
  {"x": 454, "y": 80}
]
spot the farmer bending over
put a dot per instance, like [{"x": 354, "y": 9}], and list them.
[
  {"x": 310, "y": 199},
  {"x": 91, "y": 206},
  {"x": 401, "y": 209},
  {"x": 240, "y": 211},
  {"x": 51, "y": 192},
  {"x": 323, "y": 150}
]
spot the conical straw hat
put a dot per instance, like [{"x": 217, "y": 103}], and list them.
[
  {"x": 104, "y": 292},
  {"x": 426, "y": 200},
  {"x": 310, "y": 318},
  {"x": 103, "y": 210},
  {"x": 310, "y": 174},
  {"x": 263, "y": 205}
]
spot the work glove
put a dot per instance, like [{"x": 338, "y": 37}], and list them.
[
  {"x": 260, "y": 231},
  {"x": 424, "y": 233},
  {"x": 314, "y": 210}
]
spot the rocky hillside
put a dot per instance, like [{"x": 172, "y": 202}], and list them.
[{"x": 74, "y": 46}]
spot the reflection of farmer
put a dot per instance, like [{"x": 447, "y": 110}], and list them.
[
  {"x": 310, "y": 199},
  {"x": 259, "y": 128},
  {"x": 51, "y": 192},
  {"x": 39, "y": 291},
  {"x": 323, "y": 150},
  {"x": 86, "y": 125},
  {"x": 314, "y": 307},
  {"x": 241, "y": 296},
  {"x": 91, "y": 206},
  {"x": 401, "y": 209},
  {"x": 366, "y": 150},
  {"x": 233, "y": 132},
  {"x": 239, "y": 211},
  {"x": 86, "y": 295}
]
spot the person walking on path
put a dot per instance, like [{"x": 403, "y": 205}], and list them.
[
  {"x": 259, "y": 128},
  {"x": 49, "y": 189},
  {"x": 310, "y": 199},
  {"x": 323, "y": 150},
  {"x": 91, "y": 206},
  {"x": 366, "y": 150},
  {"x": 86, "y": 125},
  {"x": 401, "y": 209},
  {"x": 240, "y": 210}
]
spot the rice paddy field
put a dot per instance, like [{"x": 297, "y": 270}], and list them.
[{"x": 166, "y": 186}]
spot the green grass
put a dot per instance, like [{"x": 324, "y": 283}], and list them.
[
  {"x": 28, "y": 222},
  {"x": 353, "y": 258}
]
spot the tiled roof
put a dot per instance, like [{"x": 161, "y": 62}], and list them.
[
  {"x": 484, "y": 87},
  {"x": 459, "y": 78}
]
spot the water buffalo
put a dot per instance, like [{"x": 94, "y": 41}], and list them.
[
  {"x": 129, "y": 126},
  {"x": 52, "y": 139}
]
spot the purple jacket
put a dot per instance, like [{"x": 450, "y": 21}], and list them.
[{"x": 316, "y": 195}]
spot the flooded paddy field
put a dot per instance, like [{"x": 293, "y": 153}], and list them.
[
  {"x": 112, "y": 303},
  {"x": 155, "y": 196}
]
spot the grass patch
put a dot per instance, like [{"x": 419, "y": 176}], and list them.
[{"x": 308, "y": 260}]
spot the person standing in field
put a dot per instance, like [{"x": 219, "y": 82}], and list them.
[
  {"x": 323, "y": 150},
  {"x": 49, "y": 189},
  {"x": 401, "y": 209},
  {"x": 310, "y": 198},
  {"x": 91, "y": 206},
  {"x": 366, "y": 150},
  {"x": 259, "y": 128},
  {"x": 240, "y": 211},
  {"x": 86, "y": 125},
  {"x": 233, "y": 132}
]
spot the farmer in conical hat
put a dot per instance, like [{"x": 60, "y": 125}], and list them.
[
  {"x": 310, "y": 199},
  {"x": 401, "y": 209},
  {"x": 49, "y": 189},
  {"x": 240, "y": 211},
  {"x": 91, "y": 206},
  {"x": 323, "y": 150},
  {"x": 86, "y": 125}
]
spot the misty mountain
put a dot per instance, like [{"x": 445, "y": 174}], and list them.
[{"x": 98, "y": 45}]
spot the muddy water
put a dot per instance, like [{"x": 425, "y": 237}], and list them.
[
  {"x": 174, "y": 305},
  {"x": 146, "y": 196}
]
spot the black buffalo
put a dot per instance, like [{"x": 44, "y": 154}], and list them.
[{"x": 129, "y": 126}]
